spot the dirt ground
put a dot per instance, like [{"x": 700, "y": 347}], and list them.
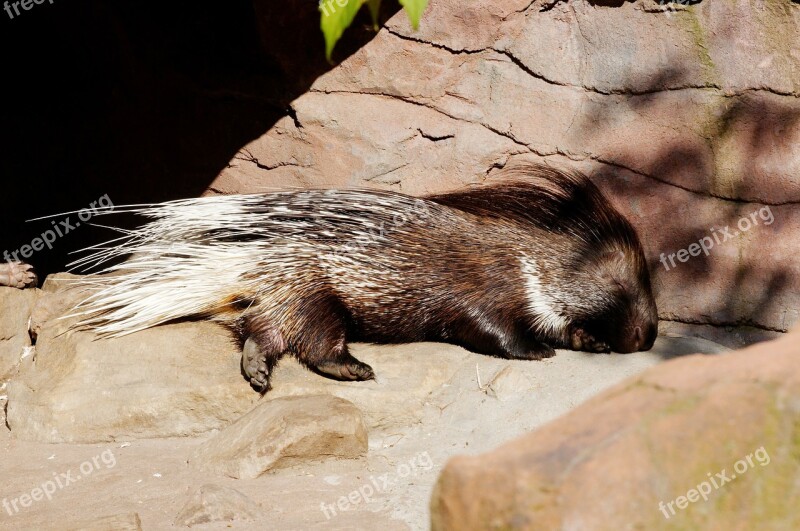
[{"x": 389, "y": 489}]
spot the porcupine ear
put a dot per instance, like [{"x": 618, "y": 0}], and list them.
[{"x": 609, "y": 264}]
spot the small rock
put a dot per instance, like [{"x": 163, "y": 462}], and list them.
[
  {"x": 215, "y": 503},
  {"x": 16, "y": 306},
  {"x": 60, "y": 293},
  {"x": 509, "y": 383},
  {"x": 284, "y": 432},
  {"x": 406, "y": 376},
  {"x": 117, "y": 522}
]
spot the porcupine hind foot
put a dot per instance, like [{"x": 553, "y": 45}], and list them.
[
  {"x": 502, "y": 340},
  {"x": 533, "y": 350},
  {"x": 331, "y": 357},
  {"x": 346, "y": 368},
  {"x": 17, "y": 275},
  {"x": 323, "y": 347},
  {"x": 523, "y": 345}
]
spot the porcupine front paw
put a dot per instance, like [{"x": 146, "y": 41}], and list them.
[
  {"x": 582, "y": 340},
  {"x": 254, "y": 365},
  {"x": 349, "y": 369},
  {"x": 17, "y": 275}
]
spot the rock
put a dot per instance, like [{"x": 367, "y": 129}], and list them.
[
  {"x": 117, "y": 522},
  {"x": 694, "y": 133},
  {"x": 509, "y": 383},
  {"x": 285, "y": 432},
  {"x": 61, "y": 292},
  {"x": 16, "y": 306},
  {"x": 733, "y": 337},
  {"x": 406, "y": 376},
  {"x": 648, "y": 453},
  {"x": 215, "y": 503},
  {"x": 173, "y": 380},
  {"x": 673, "y": 345}
]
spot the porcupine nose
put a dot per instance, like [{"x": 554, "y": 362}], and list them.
[
  {"x": 642, "y": 340},
  {"x": 637, "y": 337}
]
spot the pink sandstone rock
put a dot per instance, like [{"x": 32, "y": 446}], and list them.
[
  {"x": 687, "y": 116},
  {"x": 631, "y": 457}
]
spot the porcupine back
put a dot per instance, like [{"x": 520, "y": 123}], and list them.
[{"x": 204, "y": 256}]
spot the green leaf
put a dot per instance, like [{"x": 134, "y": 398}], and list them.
[
  {"x": 414, "y": 9},
  {"x": 337, "y": 15},
  {"x": 375, "y": 11}
]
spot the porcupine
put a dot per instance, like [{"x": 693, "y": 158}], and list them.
[{"x": 536, "y": 260}]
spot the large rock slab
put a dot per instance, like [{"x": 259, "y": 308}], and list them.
[
  {"x": 406, "y": 377},
  {"x": 697, "y": 442},
  {"x": 184, "y": 379},
  {"x": 215, "y": 503},
  {"x": 692, "y": 133},
  {"x": 173, "y": 380},
  {"x": 285, "y": 432},
  {"x": 116, "y": 522},
  {"x": 486, "y": 402}
]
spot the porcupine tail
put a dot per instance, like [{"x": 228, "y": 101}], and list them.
[{"x": 191, "y": 259}]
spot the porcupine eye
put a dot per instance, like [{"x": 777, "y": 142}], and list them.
[
  {"x": 605, "y": 327},
  {"x": 624, "y": 326}
]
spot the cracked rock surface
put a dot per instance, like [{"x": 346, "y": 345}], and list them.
[{"x": 687, "y": 116}]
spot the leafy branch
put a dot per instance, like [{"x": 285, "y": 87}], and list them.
[{"x": 337, "y": 15}]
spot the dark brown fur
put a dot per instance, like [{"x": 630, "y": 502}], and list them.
[{"x": 465, "y": 287}]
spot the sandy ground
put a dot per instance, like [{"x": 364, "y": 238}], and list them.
[{"x": 393, "y": 484}]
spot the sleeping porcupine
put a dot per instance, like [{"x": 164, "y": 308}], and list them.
[{"x": 538, "y": 260}]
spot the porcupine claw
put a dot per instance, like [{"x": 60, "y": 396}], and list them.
[
  {"x": 350, "y": 370},
  {"x": 582, "y": 340}
]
